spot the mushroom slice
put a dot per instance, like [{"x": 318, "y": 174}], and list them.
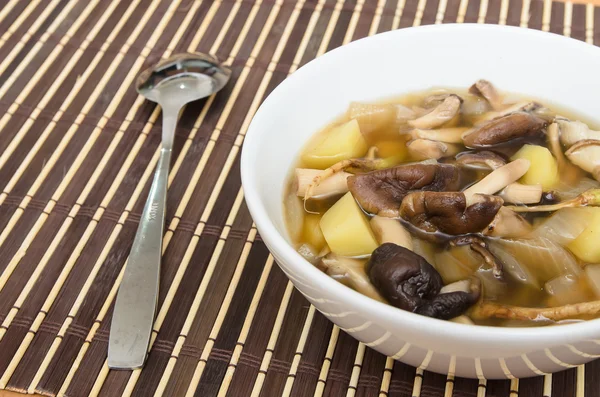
[
  {"x": 479, "y": 246},
  {"x": 350, "y": 272},
  {"x": 404, "y": 278},
  {"x": 572, "y": 132},
  {"x": 434, "y": 100},
  {"x": 360, "y": 164},
  {"x": 590, "y": 198},
  {"x": 447, "y": 135},
  {"x": 490, "y": 309},
  {"x": 423, "y": 149},
  {"x": 586, "y": 155},
  {"x": 526, "y": 106},
  {"x": 503, "y": 130},
  {"x": 381, "y": 192},
  {"x": 480, "y": 160},
  {"x": 499, "y": 178},
  {"x": 449, "y": 212},
  {"x": 451, "y": 304},
  {"x": 487, "y": 90},
  {"x": 441, "y": 114},
  {"x": 332, "y": 186}
]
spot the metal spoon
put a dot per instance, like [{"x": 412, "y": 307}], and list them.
[{"x": 172, "y": 83}]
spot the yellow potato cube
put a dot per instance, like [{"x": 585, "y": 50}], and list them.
[
  {"x": 543, "y": 169},
  {"x": 586, "y": 246},
  {"x": 312, "y": 231},
  {"x": 346, "y": 228},
  {"x": 342, "y": 142}
]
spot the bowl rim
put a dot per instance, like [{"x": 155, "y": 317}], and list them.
[{"x": 480, "y": 333}]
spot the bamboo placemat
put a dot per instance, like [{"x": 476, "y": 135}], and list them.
[{"x": 77, "y": 150}]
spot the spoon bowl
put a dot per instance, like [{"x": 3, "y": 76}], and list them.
[{"x": 183, "y": 78}]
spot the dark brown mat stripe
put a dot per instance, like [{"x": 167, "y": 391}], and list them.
[{"x": 76, "y": 163}]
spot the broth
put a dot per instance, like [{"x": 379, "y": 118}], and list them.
[{"x": 518, "y": 263}]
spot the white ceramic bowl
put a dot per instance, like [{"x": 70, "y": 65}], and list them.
[{"x": 547, "y": 66}]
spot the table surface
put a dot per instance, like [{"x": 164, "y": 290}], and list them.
[{"x": 252, "y": 362}]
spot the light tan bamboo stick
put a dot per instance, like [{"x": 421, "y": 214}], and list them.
[
  {"x": 296, "y": 361},
  {"x": 24, "y": 129},
  {"x": 112, "y": 190},
  {"x": 567, "y": 18},
  {"x": 18, "y": 22},
  {"x": 53, "y": 245},
  {"x": 264, "y": 365},
  {"x": 9, "y": 7},
  {"x": 216, "y": 327},
  {"x": 439, "y": 16},
  {"x": 49, "y": 300},
  {"x": 504, "y": 4},
  {"x": 92, "y": 275},
  {"x": 57, "y": 82},
  {"x": 210, "y": 204},
  {"x": 589, "y": 23},
  {"x": 83, "y": 153},
  {"x": 387, "y": 377},
  {"x": 201, "y": 289},
  {"x": 237, "y": 351},
  {"x": 26, "y": 61}
]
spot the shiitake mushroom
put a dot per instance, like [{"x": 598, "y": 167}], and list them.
[{"x": 411, "y": 283}]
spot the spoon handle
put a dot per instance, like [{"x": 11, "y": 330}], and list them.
[{"x": 135, "y": 307}]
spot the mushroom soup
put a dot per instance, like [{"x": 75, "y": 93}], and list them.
[{"x": 463, "y": 205}]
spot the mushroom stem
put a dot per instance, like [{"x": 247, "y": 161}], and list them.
[
  {"x": 422, "y": 149},
  {"x": 482, "y": 249},
  {"x": 518, "y": 193},
  {"x": 447, "y": 135},
  {"x": 371, "y": 153},
  {"x": 363, "y": 164},
  {"x": 485, "y": 89},
  {"x": 336, "y": 184},
  {"x": 442, "y": 113},
  {"x": 520, "y": 106},
  {"x": 590, "y": 198},
  {"x": 499, "y": 178},
  {"x": 350, "y": 272},
  {"x": 568, "y": 171},
  {"x": 389, "y": 230},
  {"x": 490, "y": 309},
  {"x": 572, "y": 132}
]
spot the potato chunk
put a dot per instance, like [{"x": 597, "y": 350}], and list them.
[
  {"x": 341, "y": 142},
  {"x": 586, "y": 246},
  {"x": 543, "y": 169},
  {"x": 312, "y": 231},
  {"x": 346, "y": 228}
]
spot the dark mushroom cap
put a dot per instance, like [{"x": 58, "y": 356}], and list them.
[
  {"x": 404, "y": 278},
  {"x": 452, "y": 304},
  {"x": 381, "y": 192},
  {"x": 448, "y": 213},
  {"x": 504, "y": 129},
  {"x": 484, "y": 159}
]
